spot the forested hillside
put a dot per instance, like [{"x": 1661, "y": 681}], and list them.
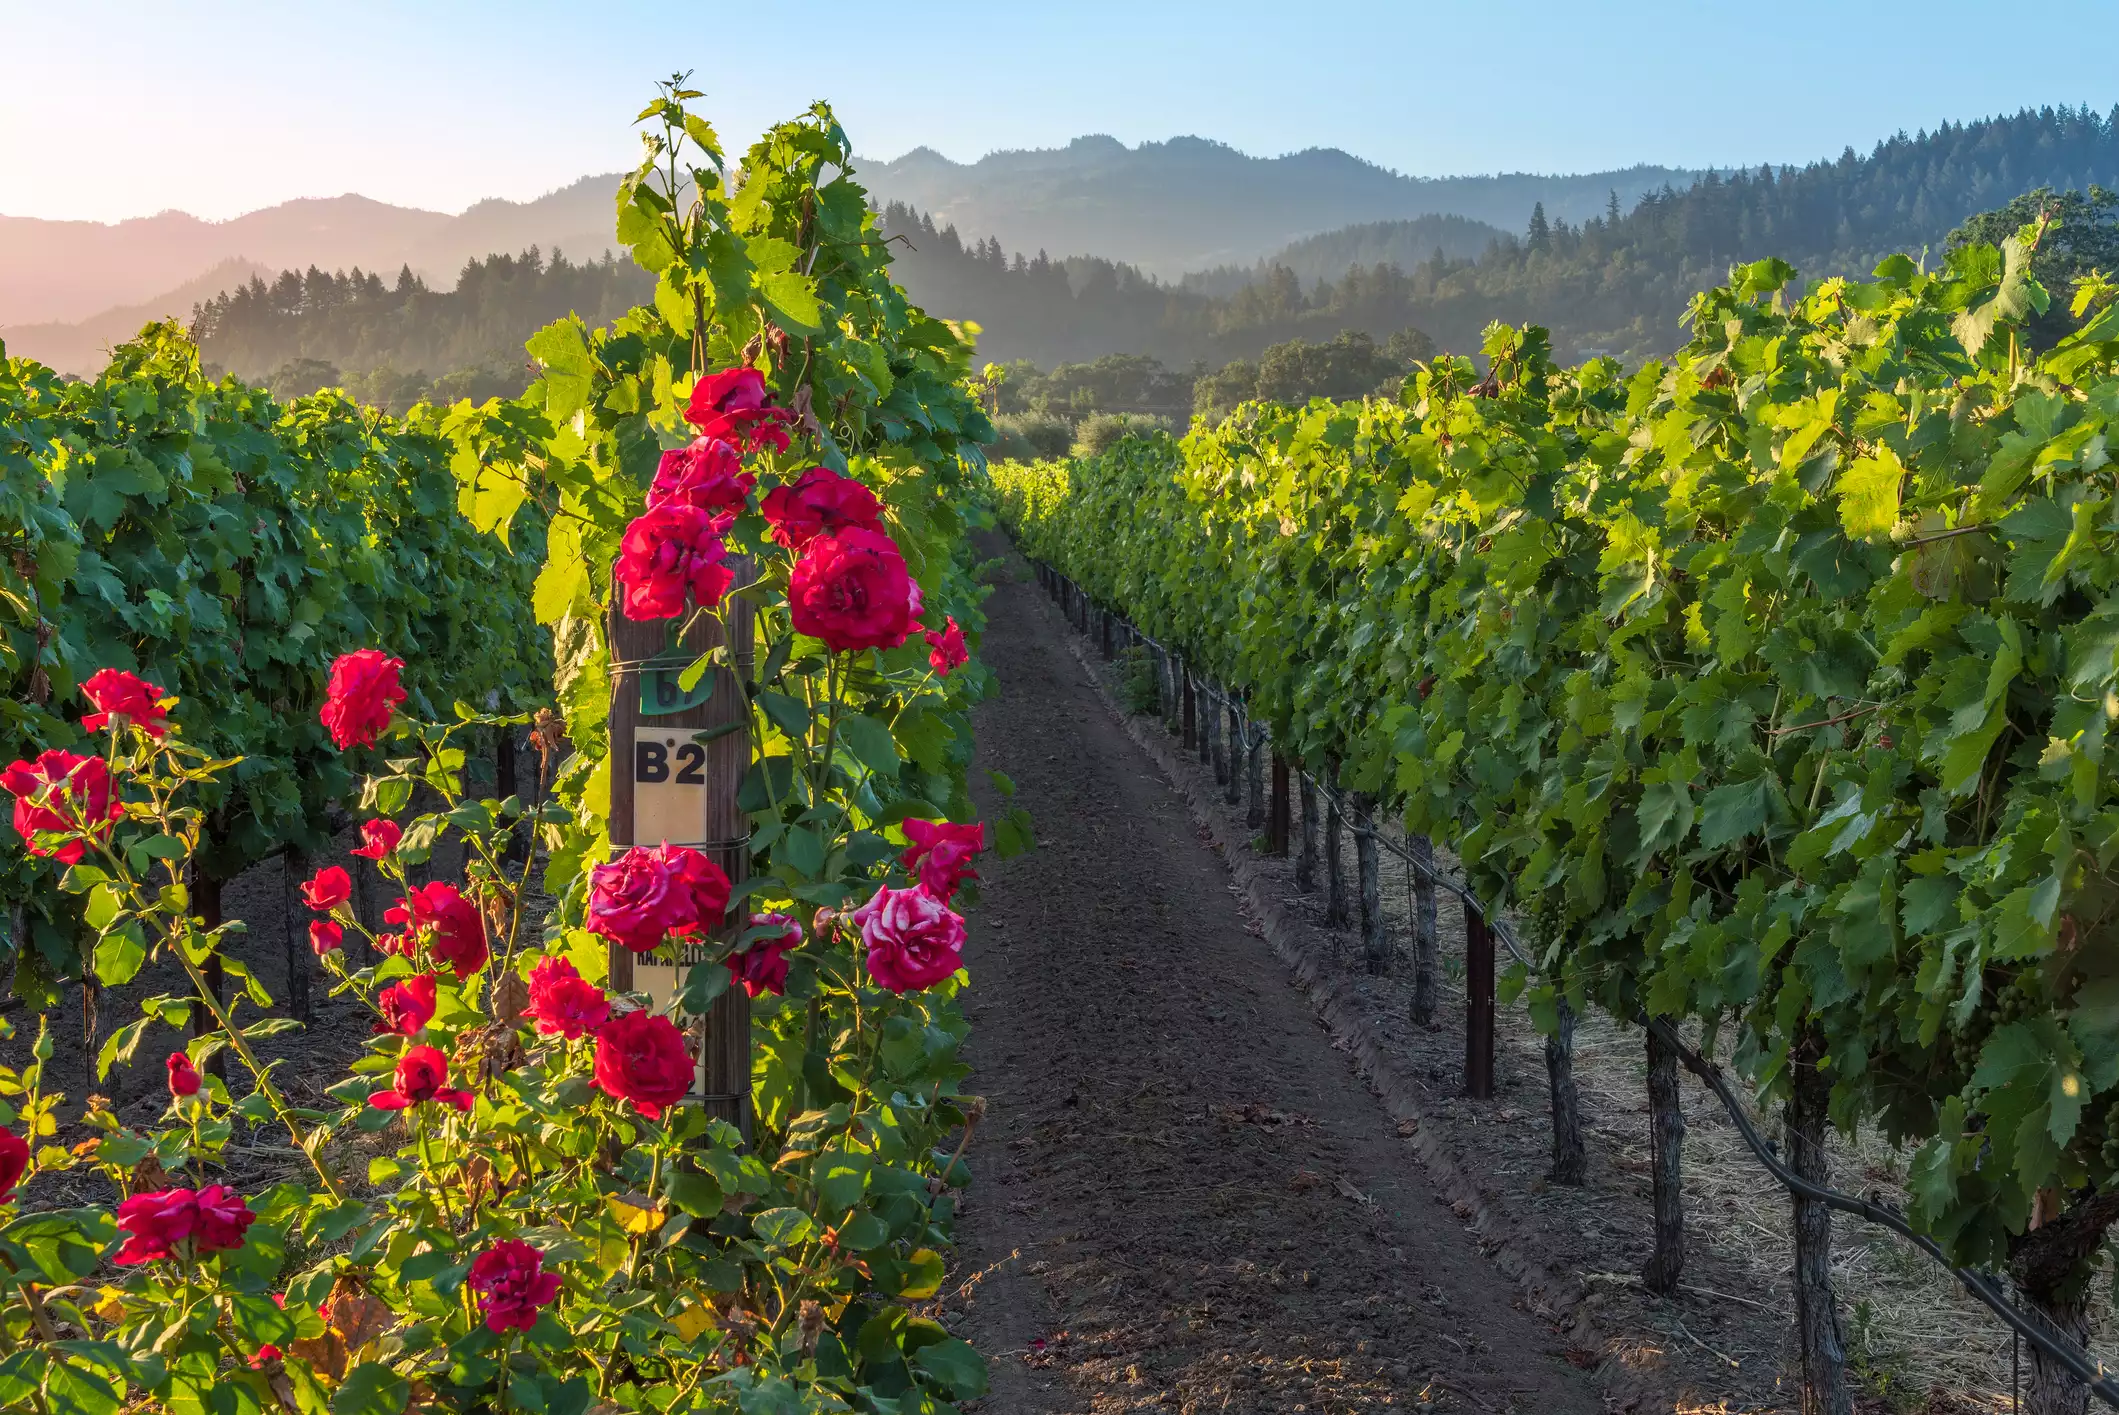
[
  {"x": 394, "y": 342},
  {"x": 1053, "y": 311},
  {"x": 1621, "y": 284},
  {"x": 1330, "y": 254}
]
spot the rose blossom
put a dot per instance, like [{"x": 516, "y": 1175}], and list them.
[
  {"x": 183, "y": 1076},
  {"x": 670, "y": 555},
  {"x": 913, "y": 939},
  {"x": 945, "y": 649},
  {"x": 852, "y": 591},
  {"x": 563, "y": 1003},
  {"x": 222, "y": 1218},
  {"x": 762, "y": 965},
  {"x": 379, "y": 837},
  {"x": 940, "y": 854},
  {"x": 14, "y": 1163},
  {"x": 328, "y": 888},
  {"x": 407, "y": 1006},
  {"x": 61, "y": 791},
  {"x": 641, "y": 1058},
  {"x": 361, "y": 695},
  {"x": 422, "y": 1075},
  {"x": 707, "y": 474},
  {"x": 325, "y": 936},
  {"x": 450, "y": 925},
  {"x": 156, "y": 1222},
  {"x": 120, "y": 697},
  {"x": 648, "y": 893},
  {"x": 820, "y": 502},
  {"x": 511, "y": 1284},
  {"x": 209, "y": 1220},
  {"x": 734, "y": 407}
]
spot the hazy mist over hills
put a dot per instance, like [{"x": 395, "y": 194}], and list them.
[
  {"x": 69, "y": 270},
  {"x": 1185, "y": 250},
  {"x": 1188, "y": 204},
  {"x": 1167, "y": 208}
]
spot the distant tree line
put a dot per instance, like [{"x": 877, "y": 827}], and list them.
[{"x": 392, "y": 343}]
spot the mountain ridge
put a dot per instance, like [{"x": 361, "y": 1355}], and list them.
[{"x": 1170, "y": 207}]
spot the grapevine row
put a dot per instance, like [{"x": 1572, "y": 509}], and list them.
[
  {"x": 229, "y": 548},
  {"x": 1768, "y": 686}
]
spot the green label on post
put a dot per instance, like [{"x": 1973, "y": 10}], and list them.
[{"x": 662, "y": 690}]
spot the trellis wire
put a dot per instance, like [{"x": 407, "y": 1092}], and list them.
[{"x": 2023, "y": 1326}]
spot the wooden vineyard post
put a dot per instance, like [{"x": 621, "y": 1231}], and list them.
[
  {"x": 1254, "y": 774},
  {"x": 679, "y": 762},
  {"x": 1190, "y": 738},
  {"x": 1368, "y": 886},
  {"x": 1425, "y": 988},
  {"x": 1279, "y": 820},
  {"x": 1478, "y": 1007},
  {"x": 1306, "y": 858},
  {"x": 1666, "y": 1136}
]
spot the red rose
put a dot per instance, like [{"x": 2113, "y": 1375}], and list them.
[
  {"x": 945, "y": 650},
  {"x": 183, "y": 1076},
  {"x": 511, "y": 1284},
  {"x": 61, "y": 792},
  {"x": 649, "y": 893},
  {"x": 222, "y": 1218},
  {"x": 762, "y": 965},
  {"x": 734, "y": 407},
  {"x": 328, "y": 888},
  {"x": 449, "y": 924},
  {"x": 378, "y": 838},
  {"x": 406, "y": 1006},
  {"x": 641, "y": 1058},
  {"x": 155, "y": 1223},
  {"x": 209, "y": 1220},
  {"x": 708, "y": 474},
  {"x": 820, "y": 502},
  {"x": 121, "y": 698},
  {"x": 940, "y": 854},
  {"x": 422, "y": 1076},
  {"x": 669, "y": 555},
  {"x": 563, "y": 1003},
  {"x": 14, "y": 1163},
  {"x": 852, "y": 591},
  {"x": 325, "y": 936},
  {"x": 913, "y": 939},
  {"x": 361, "y": 696}
]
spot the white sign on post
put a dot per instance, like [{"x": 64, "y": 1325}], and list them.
[{"x": 669, "y": 807}]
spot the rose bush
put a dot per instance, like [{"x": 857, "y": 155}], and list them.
[{"x": 508, "y": 1202}]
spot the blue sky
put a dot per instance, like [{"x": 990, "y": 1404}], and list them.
[{"x": 114, "y": 108}]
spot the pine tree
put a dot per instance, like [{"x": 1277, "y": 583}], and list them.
[{"x": 1540, "y": 231}]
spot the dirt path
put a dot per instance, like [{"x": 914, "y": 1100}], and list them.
[{"x": 1186, "y": 1201}]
